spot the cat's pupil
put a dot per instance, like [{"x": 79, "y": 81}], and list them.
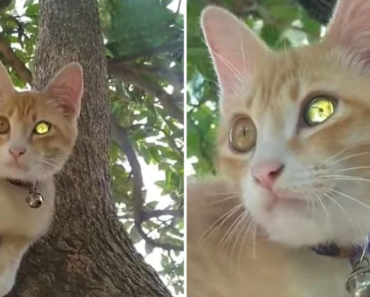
[
  {"x": 4, "y": 125},
  {"x": 244, "y": 131}
]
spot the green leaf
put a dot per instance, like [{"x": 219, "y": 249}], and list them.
[
  {"x": 284, "y": 13},
  {"x": 311, "y": 27},
  {"x": 32, "y": 10},
  {"x": 270, "y": 34},
  {"x": 28, "y": 3}
]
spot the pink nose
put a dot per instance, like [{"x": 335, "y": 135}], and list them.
[
  {"x": 266, "y": 173},
  {"x": 16, "y": 152}
]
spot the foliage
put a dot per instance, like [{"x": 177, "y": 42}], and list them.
[
  {"x": 280, "y": 23},
  {"x": 142, "y": 39}
]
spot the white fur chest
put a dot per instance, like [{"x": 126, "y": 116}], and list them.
[{"x": 17, "y": 217}]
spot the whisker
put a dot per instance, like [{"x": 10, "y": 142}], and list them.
[
  {"x": 322, "y": 204},
  {"x": 350, "y": 198},
  {"x": 224, "y": 199},
  {"x": 208, "y": 233},
  {"x": 344, "y": 177},
  {"x": 342, "y": 208},
  {"x": 326, "y": 162},
  {"x": 248, "y": 224},
  {"x": 349, "y": 157},
  {"x": 255, "y": 240},
  {"x": 352, "y": 168},
  {"x": 238, "y": 232},
  {"x": 227, "y": 236},
  {"x": 225, "y": 193}
]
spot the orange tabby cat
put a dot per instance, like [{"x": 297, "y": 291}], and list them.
[
  {"x": 37, "y": 134},
  {"x": 294, "y": 137}
]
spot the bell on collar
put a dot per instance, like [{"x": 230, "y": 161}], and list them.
[
  {"x": 358, "y": 283},
  {"x": 34, "y": 198}
]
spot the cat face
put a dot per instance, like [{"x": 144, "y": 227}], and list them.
[
  {"x": 295, "y": 127},
  {"x": 38, "y": 129}
]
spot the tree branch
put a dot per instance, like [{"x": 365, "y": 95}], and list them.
[
  {"x": 23, "y": 72},
  {"x": 162, "y": 212},
  {"x": 170, "y": 140},
  {"x": 164, "y": 48},
  {"x": 129, "y": 75},
  {"x": 175, "y": 78},
  {"x": 168, "y": 101},
  {"x": 120, "y": 136}
]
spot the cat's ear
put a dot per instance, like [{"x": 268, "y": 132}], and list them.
[
  {"x": 66, "y": 89},
  {"x": 349, "y": 28},
  {"x": 235, "y": 49},
  {"x": 6, "y": 84}
]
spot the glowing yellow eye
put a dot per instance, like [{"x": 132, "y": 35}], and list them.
[
  {"x": 243, "y": 135},
  {"x": 42, "y": 128},
  {"x": 319, "y": 110}
]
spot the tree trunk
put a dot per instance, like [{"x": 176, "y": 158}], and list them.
[{"x": 87, "y": 252}]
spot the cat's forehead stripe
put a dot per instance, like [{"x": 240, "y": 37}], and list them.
[
  {"x": 282, "y": 74},
  {"x": 23, "y": 105}
]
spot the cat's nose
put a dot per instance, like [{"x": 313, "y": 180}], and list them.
[
  {"x": 266, "y": 173},
  {"x": 16, "y": 152}
]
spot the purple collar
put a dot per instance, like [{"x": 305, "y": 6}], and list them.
[{"x": 332, "y": 250}]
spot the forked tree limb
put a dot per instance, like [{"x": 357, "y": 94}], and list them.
[
  {"x": 120, "y": 136},
  {"x": 23, "y": 72},
  {"x": 135, "y": 78}
]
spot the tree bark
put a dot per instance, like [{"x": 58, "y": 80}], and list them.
[{"x": 87, "y": 252}]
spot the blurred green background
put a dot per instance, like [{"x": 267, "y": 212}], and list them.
[{"x": 280, "y": 23}]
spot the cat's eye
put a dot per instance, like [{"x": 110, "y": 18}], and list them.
[
  {"x": 243, "y": 135},
  {"x": 4, "y": 125},
  {"x": 318, "y": 110},
  {"x": 42, "y": 128}
]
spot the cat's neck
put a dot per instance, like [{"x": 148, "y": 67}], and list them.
[{"x": 21, "y": 183}]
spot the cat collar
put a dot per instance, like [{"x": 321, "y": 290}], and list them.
[
  {"x": 34, "y": 198},
  {"x": 358, "y": 282},
  {"x": 333, "y": 250}
]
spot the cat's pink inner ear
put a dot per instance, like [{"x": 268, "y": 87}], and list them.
[
  {"x": 235, "y": 49},
  {"x": 6, "y": 84},
  {"x": 350, "y": 28},
  {"x": 66, "y": 89}
]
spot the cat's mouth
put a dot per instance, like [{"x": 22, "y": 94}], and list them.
[
  {"x": 16, "y": 169},
  {"x": 17, "y": 165},
  {"x": 276, "y": 201}
]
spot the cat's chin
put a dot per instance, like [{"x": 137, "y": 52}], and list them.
[
  {"x": 274, "y": 202},
  {"x": 271, "y": 202},
  {"x": 23, "y": 175},
  {"x": 288, "y": 222},
  {"x": 16, "y": 173}
]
